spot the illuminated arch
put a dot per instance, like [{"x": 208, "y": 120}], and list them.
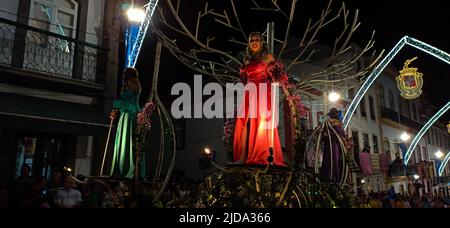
[
  {"x": 422, "y": 131},
  {"x": 134, "y": 53},
  {"x": 443, "y": 164},
  {"x": 378, "y": 69}
]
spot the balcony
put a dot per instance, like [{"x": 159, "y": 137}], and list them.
[
  {"x": 31, "y": 49},
  {"x": 397, "y": 169},
  {"x": 394, "y": 116},
  {"x": 445, "y": 180}
]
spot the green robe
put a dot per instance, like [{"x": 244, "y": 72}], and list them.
[{"x": 124, "y": 149}]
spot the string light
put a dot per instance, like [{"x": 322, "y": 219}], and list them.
[
  {"x": 443, "y": 164},
  {"x": 424, "y": 129},
  {"x": 378, "y": 69}
]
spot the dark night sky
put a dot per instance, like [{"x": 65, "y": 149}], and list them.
[{"x": 427, "y": 21}]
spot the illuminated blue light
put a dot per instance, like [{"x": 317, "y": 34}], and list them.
[
  {"x": 139, "y": 39},
  {"x": 422, "y": 131},
  {"x": 130, "y": 40},
  {"x": 444, "y": 163},
  {"x": 369, "y": 81}
]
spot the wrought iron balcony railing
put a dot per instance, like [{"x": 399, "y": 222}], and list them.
[
  {"x": 394, "y": 116},
  {"x": 30, "y": 48}
]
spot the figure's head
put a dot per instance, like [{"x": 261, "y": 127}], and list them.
[
  {"x": 256, "y": 43},
  {"x": 130, "y": 74},
  {"x": 131, "y": 79},
  {"x": 333, "y": 113}
]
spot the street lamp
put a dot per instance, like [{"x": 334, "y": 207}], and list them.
[
  {"x": 405, "y": 137},
  {"x": 439, "y": 154},
  {"x": 135, "y": 18},
  {"x": 333, "y": 97},
  {"x": 136, "y": 15}
]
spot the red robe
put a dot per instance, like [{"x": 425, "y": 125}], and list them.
[{"x": 257, "y": 137}]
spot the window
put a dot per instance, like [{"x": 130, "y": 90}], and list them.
[
  {"x": 58, "y": 16},
  {"x": 407, "y": 109},
  {"x": 363, "y": 107},
  {"x": 351, "y": 93},
  {"x": 355, "y": 139},
  {"x": 371, "y": 108},
  {"x": 366, "y": 140},
  {"x": 387, "y": 147},
  {"x": 416, "y": 156},
  {"x": 375, "y": 144},
  {"x": 381, "y": 95},
  {"x": 432, "y": 136},
  {"x": 399, "y": 151},
  {"x": 414, "y": 112},
  {"x": 435, "y": 138},
  {"x": 420, "y": 155},
  {"x": 180, "y": 133},
  {"x": 391, "y": 100},
  {"x": 425, "y": 153},
  {"x": 439, "y": 140},
  {"x": 420, "y": 114},
  {"x": 400, "y": 105}
]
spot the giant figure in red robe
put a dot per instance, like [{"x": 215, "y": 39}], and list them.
[{"x": 255, "y": 130}]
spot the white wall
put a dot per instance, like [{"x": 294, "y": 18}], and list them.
[
  {"x": 94, "y": 29},
  {"x": 8, "y": 9}
]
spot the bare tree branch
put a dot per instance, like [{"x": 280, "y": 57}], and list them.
[
  {"x": 288, "y": 32},
  {"x": 274, "y": 2},
  {"x": 189, "y": 34},
  {"x": 322, "y": 22},
  {"x": 238, "y": 21},
  {"x": 223, "y": 66}
]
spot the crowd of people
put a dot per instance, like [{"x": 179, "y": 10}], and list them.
[
  {"x": 61, "y": 191},
  {"x": 390, "y": 199},
  {"x": 182, "y": 192},
  {"x": 65, "y": 191}
]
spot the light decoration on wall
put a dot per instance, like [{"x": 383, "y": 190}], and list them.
[
  {"x": 380, "y": 67},
  {"x": 410, "y": 81}
]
